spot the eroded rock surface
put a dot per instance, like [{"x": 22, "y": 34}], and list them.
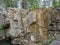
[{"x": 28, "y": 26}]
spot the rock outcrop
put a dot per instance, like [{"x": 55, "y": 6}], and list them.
[{"x": 29, "y": 26}]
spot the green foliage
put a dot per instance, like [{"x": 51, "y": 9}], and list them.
[
  {"x": 34, "y": 7},
  {"x": 56, "y": 4},
  {"x": 34, "y": 4},
  {"x": 10, "y": 3}
]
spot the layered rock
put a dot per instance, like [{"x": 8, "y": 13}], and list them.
[
  {"x": 29, "y": 25},
  {"x": 23, "y": 22}
]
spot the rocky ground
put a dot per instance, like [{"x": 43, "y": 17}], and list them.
[{"x": 55, "y": 42}]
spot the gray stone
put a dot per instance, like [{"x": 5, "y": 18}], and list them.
[
  {"x": 2, "y": 34},
  {"x": 56, "y": 42}
]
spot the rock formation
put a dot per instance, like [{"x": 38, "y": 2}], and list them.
[{"x": 29, "y": 26}]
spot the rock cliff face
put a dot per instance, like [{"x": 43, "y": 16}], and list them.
[
  {"x": 25, "y": 25},
  {"x": 29, "y": 26}
]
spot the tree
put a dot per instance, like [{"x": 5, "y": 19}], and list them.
[
  {"x": 10, "y": 3},
  {"x": 56, "y": 3},
  {"x": 31, "y": 4}
]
